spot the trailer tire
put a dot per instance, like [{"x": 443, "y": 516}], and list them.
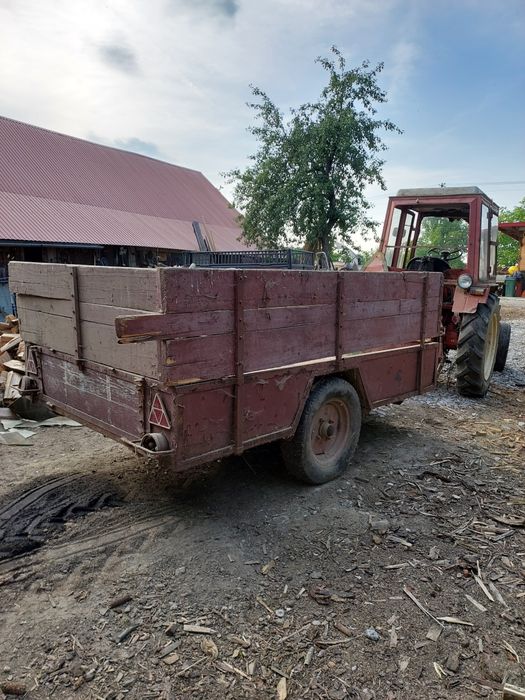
[
  {"x": 327, "y": 435},
  {"x": 503, "y": 347},
  {"x": 477, "y": 348}
]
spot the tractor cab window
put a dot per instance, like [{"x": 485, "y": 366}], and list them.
[
  {"x": 445, "y": 238},
  {"x": 392, "y": 237},
  {"x": 399, "y": 238}
]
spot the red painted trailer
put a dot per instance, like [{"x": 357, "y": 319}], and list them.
[{"x": 192, "y": 365}]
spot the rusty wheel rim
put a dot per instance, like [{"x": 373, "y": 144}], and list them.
[{"x": 330, "y": 431}]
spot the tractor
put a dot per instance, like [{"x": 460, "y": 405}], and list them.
[{"x": 453, "y": 230}]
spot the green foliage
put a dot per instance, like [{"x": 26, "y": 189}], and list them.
[
  {"x": 442, "y": 234},
  {"x": 508, "y": 248},
  {"x": 305, "y": 184},
  {"x": 516, "y": 214}
]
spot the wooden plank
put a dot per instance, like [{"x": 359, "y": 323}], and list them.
[
  {"x": 283, "y": 346},
  {"x": 135, "y": 288},
  {"x": 99, "y": 338},
  {"x": 202, "y": 358},
  {"x": 56, "y": 307},
  {"x": 11, "y": 392},
  {"x": 363, "y": 334},
  {"x": 101, "y": 345},
  {"x": 185, "y": 290},
  {"x": 11, "y": 344},
  {"x": 289, "y": 316},
  {"x": 271, "y": 288},
  {"x": 106, "y": 315},
  {"x": 356, "y": 310},
  {"x": 16, "y": 365},
  {"x": 113, "y": 401},
  {"x": 129, "y": 287},
  {"x": 378, "y": 286},
  {"x": 40, "y": 279},
  {"x": 149, "y": 327},
  {"x": 54, "y": 332},
  {"x": 97, "y": 313}
]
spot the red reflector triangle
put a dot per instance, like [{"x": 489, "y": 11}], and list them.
[
  {"x": 158, "y": 415},
  {"x": 31, "y": 363}
]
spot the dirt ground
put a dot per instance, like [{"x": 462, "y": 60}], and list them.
[{"x": 403, "y": 579}]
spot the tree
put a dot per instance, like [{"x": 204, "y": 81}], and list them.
[
  {"x": 508, "y": 248},
  {"x": 442, "y": 234},
  {"x": 305, "y": 184}
]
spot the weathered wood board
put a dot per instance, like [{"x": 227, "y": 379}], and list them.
[
  {"x": 46, "y": 311},
  {"x": 287, "y": 317}
]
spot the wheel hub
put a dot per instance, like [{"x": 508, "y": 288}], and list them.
[
  {"x": 330, "y": 431},
  {"x": 326, "y": 430}
]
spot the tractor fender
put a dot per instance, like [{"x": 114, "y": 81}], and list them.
[{"x": 467, "y": 303}]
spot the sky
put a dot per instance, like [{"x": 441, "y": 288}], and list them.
[{"x": 170, "y": 78}]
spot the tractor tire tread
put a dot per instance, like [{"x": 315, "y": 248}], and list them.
[
  {"x": 503, "y": 347},
  {"x": 471, "y": 349}
]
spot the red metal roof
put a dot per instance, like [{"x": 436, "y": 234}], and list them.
[
  {"x": 514, "y": 229},
  {"x": 59, "y": 189}
]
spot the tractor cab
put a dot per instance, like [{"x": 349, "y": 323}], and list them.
[{"x": 452, "y": 230}]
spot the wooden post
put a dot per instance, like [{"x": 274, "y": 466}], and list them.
[
  {"x": 77, "y": 324},
  {"x": 238, "y": 340}
]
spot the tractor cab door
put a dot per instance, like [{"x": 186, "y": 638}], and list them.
[
  {"x": 488, "y": 245},
  {"x": 400, "y": 237}
]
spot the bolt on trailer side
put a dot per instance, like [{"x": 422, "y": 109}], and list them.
[{"x": 212, "y": 362}]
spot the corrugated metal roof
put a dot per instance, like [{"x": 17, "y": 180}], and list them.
[{"x": 59, "y": 189}]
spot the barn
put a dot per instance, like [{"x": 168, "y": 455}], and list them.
[{"x": 64, "y": 199}]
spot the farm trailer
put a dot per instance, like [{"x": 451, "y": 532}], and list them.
[{"x": 192, "y": 365}]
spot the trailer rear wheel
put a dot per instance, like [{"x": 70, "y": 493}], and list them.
[
  {"x": 503, "y": 347},
  {"x": 477, "y": 348},
  {"x": 327, "y": 435}
]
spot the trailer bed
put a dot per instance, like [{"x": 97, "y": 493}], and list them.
[{"x": 230, "y": 354}]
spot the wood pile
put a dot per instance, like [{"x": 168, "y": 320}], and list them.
[{"x": 12, "y": 359}]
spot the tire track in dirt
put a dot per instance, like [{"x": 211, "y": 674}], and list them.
[
  {"x": 29, "y": 519},
  {"x": 99, "y": 540}
]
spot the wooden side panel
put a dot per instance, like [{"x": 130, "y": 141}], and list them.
[
  {"x": 274, "y": 404},
  {"x": 208, "y": 420},
  {"x": 52, "y": 331},
  {"x": 390, "y": 377},
  {"x": 45, "y": 305},
  {"x": 131, "y": 329},
  {"x": 48, "y": 281},
  {"x": 184, "y": 290},
  {"x": 370, "y": 297},
  {"x": 134, "y": 288},
  {"x": 113, "y": 402},
  {"x": 101, "y": 345},
  {"x": 289, "y": 318},
  {"x": 286, "y": 346},
  {"x": 201, "y": 358}
]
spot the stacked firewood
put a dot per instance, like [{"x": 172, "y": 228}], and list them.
[{"x": 12, "y": 359}]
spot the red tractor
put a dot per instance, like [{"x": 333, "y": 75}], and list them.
[{"x": 453, "y": 230}]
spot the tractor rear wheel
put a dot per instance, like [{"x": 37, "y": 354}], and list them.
[
  {"x": 327, "y": 435},
  {"x": 477, "y": 348},
  {"x": 503, "y": 347}
]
